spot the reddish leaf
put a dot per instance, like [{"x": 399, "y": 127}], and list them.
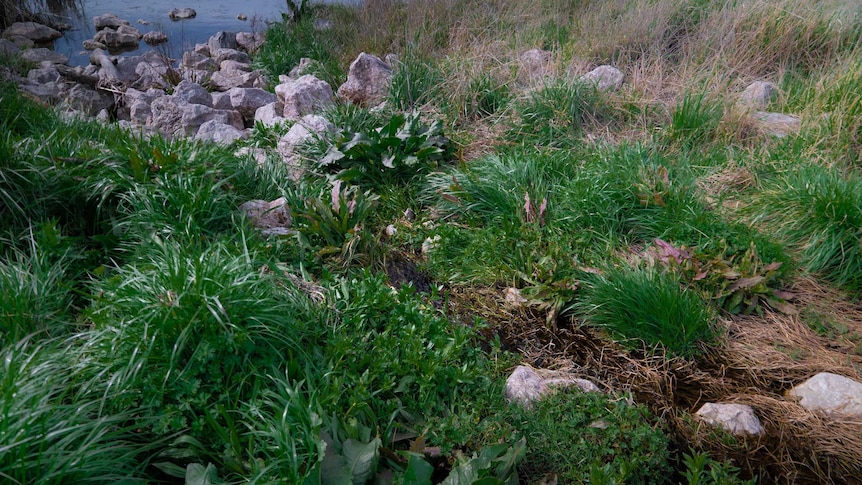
[{"x": 746, "y": 283}]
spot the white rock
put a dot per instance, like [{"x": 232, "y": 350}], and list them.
[
  {"x": 248, "y": 100},
  {"x": 778, "y": 125},
  {"x": 218, "y": 132},
  {"x": 108, "y": 20},
  {"x": 757, "y": 95},
  {"x": 182, "y": 13},
  {"x": 221, "y": 100},
  {"x": 270, "y": 114},
  {"x": 222, "y": 40},
  {"x": 367, "y": 81},
  {"x": 271, "y": 217},
  {"x": 525, "y": 385},
  {"x": 155, "y": 37},
  {"x": 248, "y": 41},
  {"x": 306, "y": 129},
  {"x": 605, "y": 78},
  {"x": 234, "y": 66},
  {"x": 304, "y": 96},
  {"x": 88, "y": 101},
  {"x": 735, "y": 418},
  {"x": 513, "y": 297},
  {"x": 225, "y": 54},
  {"x": 198, "y": 61},
  {"x": 224, "y": 81},
  {"x": 193, "y": 93},
  {"x": 535, "y": 64},
  {"x": 831, "y": 394}
]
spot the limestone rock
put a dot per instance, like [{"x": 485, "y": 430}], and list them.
[
  {"x": 778, "y": 125},
  {"x": 249, "y": 42},
  {"x": 735, "y": 418},
  {"x": 182, "y": 13},
  {"x": 248, "y": 100},
  {"x": 48, "y": 93},
  {"x": 525, "y": 385},
  {"x": 8, "y": 48},
  {"x": 88, "y": 101},
  {"x": 270, "y": 114},
  {"x": 155, "y": 37},
  {"x": 304, "y": 96},
  {"x": 199, "y": 62},
  {"x": 92, "y": 45},
  {"x": 271, "y": 217},
  {"x": 832, "y": 394},
  {"x": 757, "y": 95},
  {"x": 32, "y": 31},
  {"x": 116, "y": 39},
  {"x": 189, "y": 92},
  {"x": 173, "y": 117},
  {"x": 221, "y": 100},
  {"x": 304, "y": 67},
  {"x": 44, "y": 75},
  {"x": 234, "y": 67},
  {"x": 40, "y": 54},
  {"x": 225, "y": 80},
  {"x": 306, "y": 129},
  {"x": 604, "y": 78},
  {"x": 367, "y": 81},
  {"x": 222, "y": 40},
  {"x": 222, "y": 55},
  {"x": 218, "y": 132},
  {"x": 535, "y": 64},
  {"x": 21, "y": 42},
  {"x": 108, "y": 20}
]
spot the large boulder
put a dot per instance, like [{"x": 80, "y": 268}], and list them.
[
  {"x": 525, "y": 385},
  {"x": 198, "y": 62},
  {"x": 248, "y": 100},
  {"x": 125, "y": 37},
  {"x": 368, "y": 81},
  {"x": 8, "y": 48},
  {"x": 249, "y": 42},
  {"x": 44, "y": 75},
  {"x": 604, "y": 78},
  {"x": 155, "y": 37},
  {"x": 32, "y": 31},
  {"x": 192, "y": 93},
  {"x": 734, "y": 418},
  {"x": 225, "y": 54},
  {"x": 304, "y": 96},
  {"x": 831, "y": 394}
]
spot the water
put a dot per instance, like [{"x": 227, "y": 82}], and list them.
[{"x": 212, "y": 16}]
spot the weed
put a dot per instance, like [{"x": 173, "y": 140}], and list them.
[
  {"x": 694, "y": 121},
  {"x": 415, "y": 81}
]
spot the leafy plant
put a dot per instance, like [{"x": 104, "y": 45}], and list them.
[
  {"x": 338, "y": 222},
  {"x": 701, "y": 469},
  {"x": 396, "y": 153},
  {"x": 694, "y": 120},
  {"x": 740, "y": 284}
]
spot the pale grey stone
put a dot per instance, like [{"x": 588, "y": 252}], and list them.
[
  {"x": 304, "y": 67},
  {"x": 270, "y": 114},
  {"x": 249, "y": 42},
  {"x": 140, "y": 112},
  {"x": 308, "y": 128},
  {"x": 88, "y": 101},
  {"x": 115, "y": 39},
  {"x": 91, "y": 45},
  {"x": 8, "y": 49},
  {"x": 41, "y": 54},
  {"x": 248, "y": 100},
  {"x": 304, "y": 96},
  {"x": 173, "y": 117},
  {"x": 270, "y": 217},
  {"x": 222, "y": 55},
  {"x": 21, "y": 42},
  {"x": 368, "y": 81},
  {"x": 831, "y": 394},
  {"x": 234, "y": 66},
  {"x": 222, "y": 40},
  {"x": 48, "y": 93},
  {"x": 44, "y": 75},
  {"x": 189, "y": 92},
  {"x": 224, "y": 81},
  {"x": 735, "y": 418},
  {"x": 221, "y": 100},
  {"x": 220, "y": 133},
  {"x": 757, "y": 95},
  {"x": 604, "y": 78},
  {"x": 525, "y": 385},
  {"x": 182, "y": 13},
  {"x": 203, "y": 49},
  {"x": 108, "y": 20},
  {"x": 155, "y": 37},
  {"x": 778, "y": 125},
  {"x": 535, "y": 65},
  {"x": 197, "y": 61},
  {"x": 32, "y": 31}
]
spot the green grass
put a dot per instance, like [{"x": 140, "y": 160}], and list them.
[
  {"x": 817, "y": 209},
  {"x": 648, "y": 308}
]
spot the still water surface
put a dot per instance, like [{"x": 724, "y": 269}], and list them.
[{"x": 212, "y": 16}]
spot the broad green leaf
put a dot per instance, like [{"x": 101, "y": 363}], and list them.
[
  {"x": 361, "y": 458},
  {"x": 418, "y": 470},
  {"x": 196, "y": 474}
]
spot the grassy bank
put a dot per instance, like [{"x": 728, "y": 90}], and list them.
[{"x": 657, "y": 240}]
